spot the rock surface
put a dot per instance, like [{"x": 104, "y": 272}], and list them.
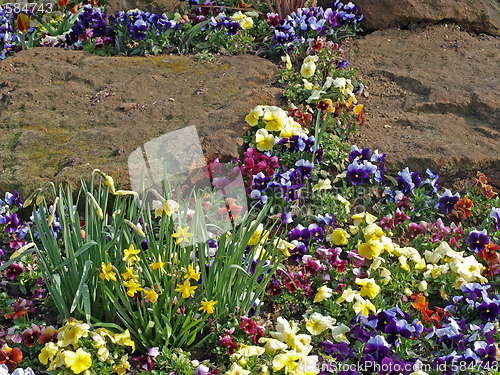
[
  {"x": 64, "y": 113},
  {"x": 480, "y": 16},
  {"x": 433, "y": 99}
]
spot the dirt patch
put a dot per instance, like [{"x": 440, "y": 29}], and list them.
[
  {"x": 64, "y": 113},
  {"x": 432, "y": 98}
]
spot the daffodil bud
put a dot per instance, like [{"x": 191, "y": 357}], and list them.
[
  {"x": 53, "y": 212},
  {"x": 97, "y": 209},
  {"x": 135, "y": 228}
]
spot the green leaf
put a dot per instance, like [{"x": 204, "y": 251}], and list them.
[{"x": 78, "y": 293}]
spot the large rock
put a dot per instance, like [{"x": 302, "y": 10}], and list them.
[
  {"x": 480, "y": 16},
  {"x": 433, "y": 99},
  {"x": 64, "y": 113}
]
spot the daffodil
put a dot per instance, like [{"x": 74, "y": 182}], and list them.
[
  {"x": 369, "y": 287},
  {"x": 208, "y": 306},
  {"x": 129, "y": 274},
  {"x": 323, "y": 293},
  {"x": 317, "y": 323},
  {"x": 107, "y": 272},
  {"x": 340, "y": 237},
  {"x": 150, "y": 295},
  {"x": 256, "y": 236},
  {"x": 158, "y": 266},
  {"x": 78, "y": 361},
  {"x": 133, "y": 287},
  {"x": 182, "y": 235},
  {"x": 130, "y": 255},
  {"x": 192, "y": 274},
  {"x": 186, "y": 289}
]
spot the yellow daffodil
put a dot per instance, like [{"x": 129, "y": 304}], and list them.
[
  {"x": 129, "y": 274},
  {"x": 158, "y": 266},
  {"x": 133, "y": 287},
  {"x": 208, "y": 306},
  {"x": 182, "y": 235},
  {"x": 186, "y": 289},
  {"x": 317, "y": 323},
  {"x": 323, "y": 185},
  {"x": 135, "y": 228},
  {"x": 255, "y": 114},
  {"x": 340, "y": 237},
  {"x": 369, "y": 287},
  {"x": 323, "y": 293},
  {"x": 78, "y": 361},
  {"x": 192, "y": 274},
  {"x": 264, "y": 140},
  {"x": 107, "y": 272},
  {"x": 130, "y": 255},
  {"x": 150, "y": 295},
  {"x": 256, "y": 236}
]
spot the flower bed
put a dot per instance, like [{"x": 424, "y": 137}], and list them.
[{"x": 302, "y": 257}]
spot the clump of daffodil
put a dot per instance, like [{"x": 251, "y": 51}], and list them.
[
  {"x": 182, "y": 235},
  {"x": 78, "y": 347}
]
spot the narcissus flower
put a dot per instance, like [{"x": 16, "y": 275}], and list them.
[
  {"x": 78, "y": 361},
  {"x": 133, "y": 287},
  {"x": 107, "y": 272},
  {"x": 186, "y": 289},
  {"x": 192, "y": 274},
  {"x": 182, "y": 235},
  {"x": 150, "y": 295},
  {"x": 323, "y": 293},
  {"x": 130, "y": 255},
  {"x": 208, "y": 306}
]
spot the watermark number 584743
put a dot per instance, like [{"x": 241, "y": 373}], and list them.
[{"x": 35, "y": 7}]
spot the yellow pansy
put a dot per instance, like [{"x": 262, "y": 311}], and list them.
[
  {"x": 275, "y": 118},
  {"x": 264, "y": 140},
  {"x": 253, "y": 117},
  {"x": 78, "y": 361},
  {"x": 317, "y": 323},
  {"x": 287, "y": 361},
  {"x": 369, "y": 287},
  {"x": 347, "y": 295},
  {"x": 364, "y": 217},
  {"x": 323, "y": 293},
  {"x": 340, "y": 237},
  {"x": 287, "y": 61},
  {"x": 363, "y": 306},
  {"x": 124, "y": 339},
  {"x": 325, "y": 184},
  {"x": 308, "y": 69},
  {"x": 272, "y": 345},
  {"x": 371, "y": 249}
]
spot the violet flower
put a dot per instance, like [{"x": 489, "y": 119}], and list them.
[{"x": 478, "y": 240}]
